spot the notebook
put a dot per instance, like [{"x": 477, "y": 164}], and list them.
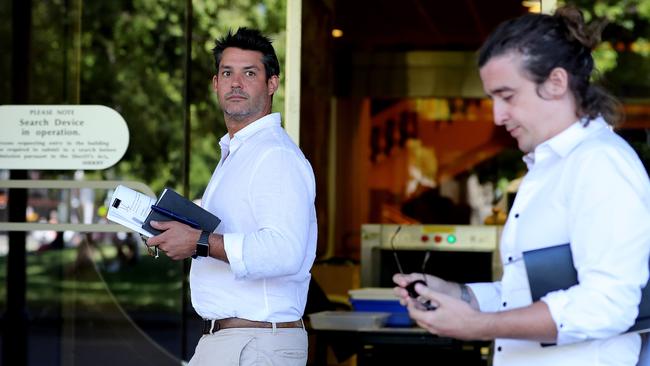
[{"x": 551, "y": 268}]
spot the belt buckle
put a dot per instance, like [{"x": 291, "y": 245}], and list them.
[
  {"x": 211, "y": 326},
  {"x": 215, "y": 326}
]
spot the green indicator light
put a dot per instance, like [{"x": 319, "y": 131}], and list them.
[{"x": 451, "y": 239}]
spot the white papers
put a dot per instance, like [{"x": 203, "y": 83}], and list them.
[{"x": 130, "y": 208}]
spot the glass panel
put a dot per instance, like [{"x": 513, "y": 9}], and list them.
[{"x": 97, "y": 298}]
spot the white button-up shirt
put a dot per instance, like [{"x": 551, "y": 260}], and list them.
[
  {"x": 263, "y": 190},
  {"x": 586, "y": 187}
]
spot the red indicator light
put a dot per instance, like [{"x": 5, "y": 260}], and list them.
[
  {"x": 437, "y": 238},
  {"x": 424, "y": 238}
]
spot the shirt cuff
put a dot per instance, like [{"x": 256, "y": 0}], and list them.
[
  {"x": 557, "y": 302},
  {"x": 233, "y": 245},
  {"x": 487, "y": 294}
]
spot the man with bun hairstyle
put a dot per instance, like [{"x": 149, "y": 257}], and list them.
[{"x": 585, "y": 186}]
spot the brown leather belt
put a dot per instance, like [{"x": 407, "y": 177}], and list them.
[{"x": 211, "y": 326}]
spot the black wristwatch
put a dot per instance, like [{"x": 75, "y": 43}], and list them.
[{"x": 203, "y": 245}]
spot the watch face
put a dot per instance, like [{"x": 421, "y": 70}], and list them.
[
  {"x": 203, "y": 245},
  {"x": 202, "y": 250}
]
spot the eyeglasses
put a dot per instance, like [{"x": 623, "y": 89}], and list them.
[
  {"x": 427, "y": 255},
  {"x": 151, "y": 251},
  {"x": 427, "y": 303}
]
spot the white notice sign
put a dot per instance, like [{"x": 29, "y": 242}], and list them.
[{"x": 61, "y": 137}]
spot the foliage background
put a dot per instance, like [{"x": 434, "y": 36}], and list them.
[
  {"x": 623, "y": 58},
  {"x": 129, "y": 55}
]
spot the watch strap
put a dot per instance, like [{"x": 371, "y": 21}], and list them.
[
  {"x": 204, "y": 238},
  {"x": 202, "y": 245}
]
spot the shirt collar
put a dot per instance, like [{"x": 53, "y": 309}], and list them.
[
  {"x": 232, "y": 144},
  {"x": 564, "y": 142}
]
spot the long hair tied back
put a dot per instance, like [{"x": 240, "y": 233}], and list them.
[{"x": 559, "y": 40}]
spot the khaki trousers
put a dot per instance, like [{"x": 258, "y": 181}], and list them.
[{"x": 252, "y": 347}]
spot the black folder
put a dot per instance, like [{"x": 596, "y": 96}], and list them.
[
  {"x": 182, "y": 206},
  {"x": 551, "y": 269}
]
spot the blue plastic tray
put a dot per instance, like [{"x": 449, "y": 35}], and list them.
[{"x": 399, "y": 316}]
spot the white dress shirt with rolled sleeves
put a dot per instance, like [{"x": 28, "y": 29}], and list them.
[
  {"x": 263, "y": 190},
  {"x": 587, "y": 187}
]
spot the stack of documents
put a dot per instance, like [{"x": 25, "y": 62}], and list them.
[{"x": 136, "y": 210}]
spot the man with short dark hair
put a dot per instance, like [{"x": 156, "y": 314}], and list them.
[{"x": 250, "y": 286}]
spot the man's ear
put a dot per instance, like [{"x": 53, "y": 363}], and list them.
[
  {"x": 214, "y": 83},
  {"x": 557, "y": 83},
  {"x": 272, "y": 84}
]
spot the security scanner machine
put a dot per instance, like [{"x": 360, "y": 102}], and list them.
[{"x": 461, "y": 253}]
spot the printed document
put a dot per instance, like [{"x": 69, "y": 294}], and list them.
[{"x": 130, "y": 208}]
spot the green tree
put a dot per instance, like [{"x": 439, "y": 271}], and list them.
[
  {"x": 623, "y": 58},
  {"x": 133, "y": 60},
  {"x": 130, "y": 57},
  {"x": 624, "y": 55}
]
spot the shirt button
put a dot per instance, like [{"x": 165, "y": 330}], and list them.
[
  {"x": 509, "y": 259},
  {"x": 499, "y": 349},
  {"x": 505, "y": 304},
  {"x": 516, "y": 215}
]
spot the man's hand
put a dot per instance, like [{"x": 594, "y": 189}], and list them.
[
  {"x": 435, "y": 283},
  {"x": 457, "y": 319},
  {"x": 452, "y": 318},
  {"x": 177, "y": 240}
]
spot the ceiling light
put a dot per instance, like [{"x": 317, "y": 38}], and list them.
[
  {"x": 337, "y": 33},
  {"x": 534, "y": 6}
]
